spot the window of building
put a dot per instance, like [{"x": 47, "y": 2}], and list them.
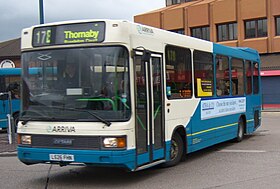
[
  {"x": 201, "y": 33},
  {"x": 237, "y": 77},
  {"x": 173, "y": 2},
  {"x": 222, "y": 76},
  {"x": 203, "y": 73},
  {"x": 227, "y": 32},
  {"x": 178, "y": 72},
  {"x": 256, "y": 28},
  {"x": 277, "y": 25},
  {"x": 179, "y": 31}
]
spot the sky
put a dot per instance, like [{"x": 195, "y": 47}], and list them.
[{"x": 18, "y": 14}]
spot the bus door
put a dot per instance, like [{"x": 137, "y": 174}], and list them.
[{"x": 149, "y": 108}]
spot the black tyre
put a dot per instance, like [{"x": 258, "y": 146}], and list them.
[
  {"x": 176, "y": 151},
  {"x": 240, "y": 131}
]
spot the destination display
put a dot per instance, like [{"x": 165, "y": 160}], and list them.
[{"x": 92, "y": 32}]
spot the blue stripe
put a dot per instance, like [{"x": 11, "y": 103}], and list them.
[{"x": 124, "y": 158}]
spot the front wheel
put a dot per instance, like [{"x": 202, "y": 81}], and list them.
[{"x": 176, "y": 151}]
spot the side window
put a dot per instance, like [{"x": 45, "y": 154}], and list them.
[
  {"x": 203, "y": 73},
  {"x": 256, "y": 78},
  {"x": 237, "y": 77},
  {"x": 178, "y": 72},
  {"x": 13, "y": 85},
  {"x": 248, "y": 78},
  {"x": 222, "y": 76}
]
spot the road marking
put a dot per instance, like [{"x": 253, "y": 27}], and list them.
[{"x": 242, "y": 151}]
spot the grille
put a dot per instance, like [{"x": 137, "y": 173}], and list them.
[{"x": 70, "y": 142}]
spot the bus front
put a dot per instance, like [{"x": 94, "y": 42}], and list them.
[{"x": 76, "y": 106}]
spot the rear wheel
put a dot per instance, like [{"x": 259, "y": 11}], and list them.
[
  {"x": 241, "y": 130},
  {"x": 176, "y": 150}
]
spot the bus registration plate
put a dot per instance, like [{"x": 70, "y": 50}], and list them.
[{"x": 62, "y": 157}]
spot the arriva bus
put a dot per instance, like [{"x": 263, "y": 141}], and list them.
[
  {"x": 121, "y": 94},
  {"x": 9, "y": 82}
]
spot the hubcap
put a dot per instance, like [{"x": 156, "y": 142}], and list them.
[{"x": 174, "y": 150}]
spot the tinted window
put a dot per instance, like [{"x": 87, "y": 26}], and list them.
[
  {"x": 201, "y": 33},
  {"x": 178, "y": 72},
  {"x": 237, "y": 77},
  {"x": 203, "y": 73},
  {"x": 222, "y": 76},
  {"x": 256, "y": 28},
  {"x": 227, "y": 32}
]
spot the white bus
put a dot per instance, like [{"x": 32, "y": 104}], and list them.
[{"x": 121, "y": 94}]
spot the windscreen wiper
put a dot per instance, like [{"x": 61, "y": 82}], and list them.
[
  {"x": 45, "y": 118},
  {"x": 70, "y": 109},
  {"x": 108, "y": 123}
]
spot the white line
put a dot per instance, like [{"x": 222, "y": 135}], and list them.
[{"x": 242, "y": 151}]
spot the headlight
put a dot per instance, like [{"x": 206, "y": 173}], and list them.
[
  {"x": 24, "y": 139},
  {"x": 114, "y": 142}
]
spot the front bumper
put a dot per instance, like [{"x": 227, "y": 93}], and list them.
[{"x": 124, "y": 158}]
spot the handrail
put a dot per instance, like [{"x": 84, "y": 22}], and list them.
[{"x": 100, "y": 99}]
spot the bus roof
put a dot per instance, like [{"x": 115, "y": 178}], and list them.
[{"x": 237, "y": 52}]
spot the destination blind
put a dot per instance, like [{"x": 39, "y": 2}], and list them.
[{"x": 92, "y": 32}]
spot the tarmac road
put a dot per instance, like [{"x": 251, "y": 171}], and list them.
[{"x": 253, "y": 163}]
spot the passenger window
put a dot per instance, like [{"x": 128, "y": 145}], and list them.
[
  {"x": 222, "y": 76},
  {"x": 203, "y": 73},
  {"x": 255, "y": 78},
  {"x": 248, "y": 78},
  {"x": 237, "y": 77},
  {"x": 178, "y": 72}
]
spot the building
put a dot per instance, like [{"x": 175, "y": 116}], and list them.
[
  {"x": 10, "y": 54},
  {"x": 237, "y": 23}
]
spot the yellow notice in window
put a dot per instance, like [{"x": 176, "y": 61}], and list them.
[{"x": 204, "y": 87}]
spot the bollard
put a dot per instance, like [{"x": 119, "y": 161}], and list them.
[
  {"x": 10, "y": 119},
  {"x": 9, "y": 129}
]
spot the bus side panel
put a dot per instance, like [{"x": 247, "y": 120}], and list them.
[
  {"x": 253, "y": 113},
  {"x": 211, "y": 131},
  {"x": 3, "y": 113},
  {"x": 4, "y": 110}
]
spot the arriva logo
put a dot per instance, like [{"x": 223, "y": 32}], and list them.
[
  {"x": 145, "y": 30},
  {"x": 65, "y": 129}
]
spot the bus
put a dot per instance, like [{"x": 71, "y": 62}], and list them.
[
  {"x": 9, "y": 81},
  {"x": 141, "y": 96}
]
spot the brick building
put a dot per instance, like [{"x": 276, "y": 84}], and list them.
[
  {"x": 237, "y": 23},
  {"x": 10, "y": 53}
]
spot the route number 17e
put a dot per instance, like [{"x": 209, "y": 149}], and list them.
[{"x": 43, "y": 37}]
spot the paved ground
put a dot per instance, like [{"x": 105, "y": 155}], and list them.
[
  {"x": 6, "y": 149},
  {"x": 251, "y": 164}
]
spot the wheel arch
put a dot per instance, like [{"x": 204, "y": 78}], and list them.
[{"x": 180, "y": 129}]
